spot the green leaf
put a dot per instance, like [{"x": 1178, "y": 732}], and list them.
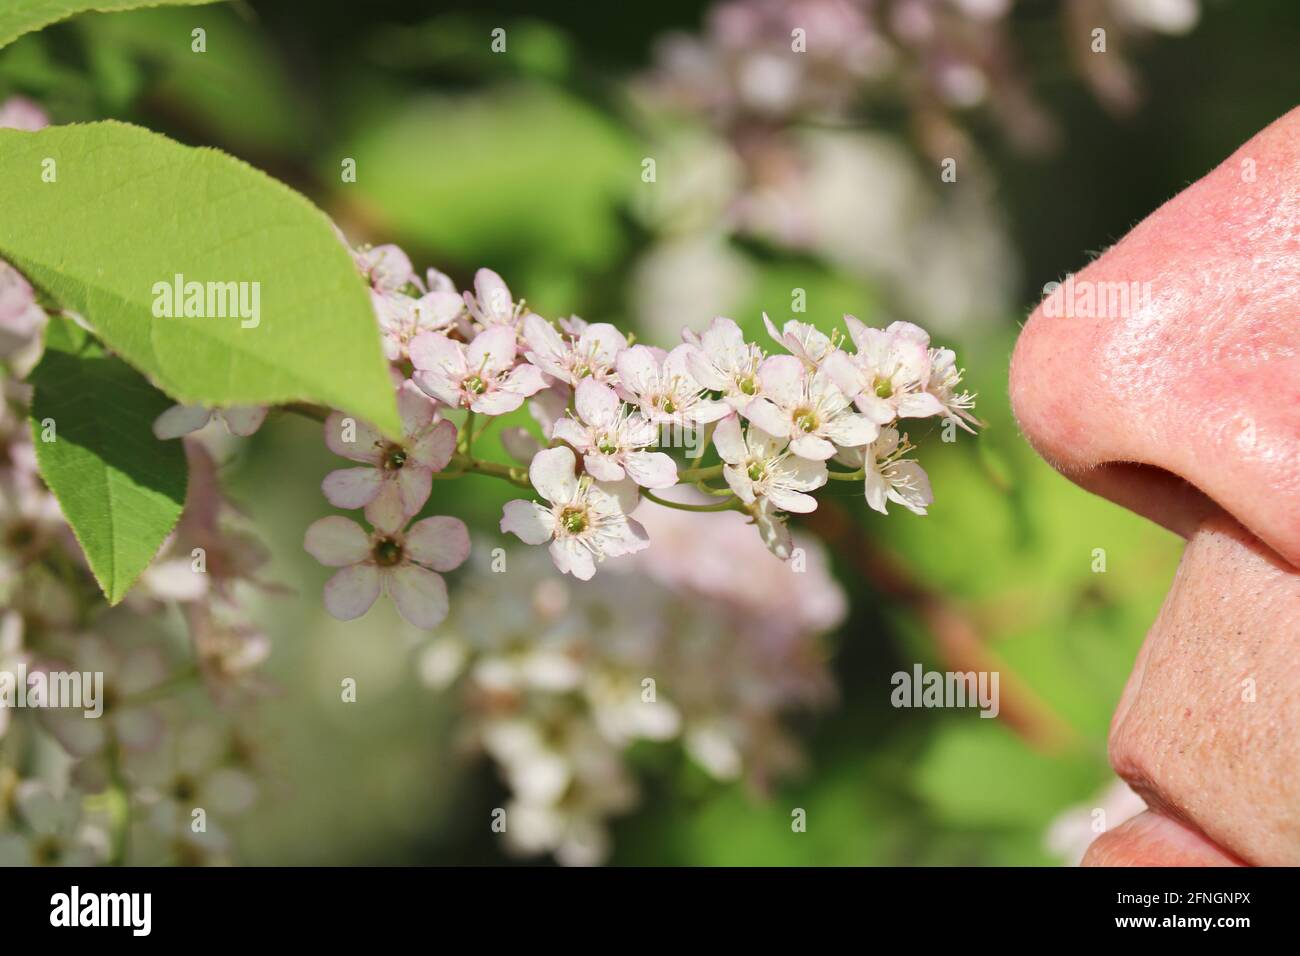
[
  {"x": 23, "y": 16},
  {"x": 120, "y": 488},
  {"x": 130, "y": 210}
]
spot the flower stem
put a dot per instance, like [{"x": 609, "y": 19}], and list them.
[
  {"x": 465, "y": 465},
  {"x": 858, "y": 475},
  {"x": 699, "y": 474},
  {"x": 731, "y": 504}
]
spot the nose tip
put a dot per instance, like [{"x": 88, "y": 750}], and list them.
[{"x": 1166, "y": 374}]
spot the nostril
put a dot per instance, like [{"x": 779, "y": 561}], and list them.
[{"x": 1155, "y": 493}]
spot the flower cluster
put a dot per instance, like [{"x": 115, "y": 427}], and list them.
[
  {"x": 828, "y": 407},
  {"x": 701, "y": 643}
]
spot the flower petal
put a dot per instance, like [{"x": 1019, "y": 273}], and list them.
[
  {"x": 351, "y": 592},
  {"x": 551, "y": 473},
  {"x": 782, "y": 377},
  {"x": 532, "y": 523},
  {"x": 352, "y": 487},
  {"x": 243, "y": 420},
  {"x": 336, "y": 541},
  {"x": 180, "y": 420},
  {"x": 649, "y": 469},
  {"x": 352, "y": 439},
  {"x": 440, "y": 543},
  {"x": 421, "y": 595},
  {"x": 597, "y": 404}
]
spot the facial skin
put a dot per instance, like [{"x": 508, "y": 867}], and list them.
[{"x": 1187, "y": 410}]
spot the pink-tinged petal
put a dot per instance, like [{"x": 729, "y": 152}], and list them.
[
  {"x": 638, "y": 369},
  {"x": 434, "y": 448},
  {"x": 243, "y": 420},
  {"x": 782, "y": 378},
  {"x": 702, "y": 371},
  {"x": 911, "y": 486},
  {"x": 703, "y": 412},
  {"x": 919, "y": 405},
  {"x": 875, "y": 408},
  {"x": 876, "y": 490},
  {"x": 524, "y": 379},
  {"x": 650, "y": 469},
  {"x": 351, "y": 591},
  {"x": 739, "y": 482},
  {"x": 387, "y": 512},
  {"x": 387, "y": 267},
  {"x": 414, "y": 484},
  {"x": 676, "y": 364},
  {"x": 773, "y": 530},
  {"x": 548, "y": 406},
  {"x": 438, "y": 309},
  {"x": 603, "y": 342},
  {"x": 571, "y": 431},
  {"x": 542, "y": 339},
  {"x": 729, "y": 441},
  {"x": 625, "y": 493},
  {"x": 768, "y": 417},
  {"x": 433, "y": 350},
  {"x": 440, "y": 543},
  {"x": 571, "y": 557},
  {"x": 498, "y": 401},
  {"x": 633, "y": 539},
  {"x": 787, "y": 500},
  {"x": 492, "y": 351},
  {"x": 336, "y": 541},
  {"x": 532, "y": 523},
  {"x": 909, "y": 332},
  {"x": 364, "y": 443},
  {"x": 602, "y": 467},
  {"x": 597, "y": 404},
  {"x": 439, "y": 385},
  {"x": 850, "y": 430},
  {"x": 352, "y": 487},
  {"x": 551, "y": 473},
  {"x": 810, "y": 446},
  {"x": 761, "y": 444},
  {"x": 857, "y": 332},
  {"x": 180, "y": 420},
  {"x": 773, "y": 332},
  {"x": 493, "y": 295},
  {"x": 421, "y": 595},
  {"x": 415, "y": 408},
  {"x": 519, "y": 444},
  {"x": 842, "y": 371},
  {"x": 804, "y": 475}
]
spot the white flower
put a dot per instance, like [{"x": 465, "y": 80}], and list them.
[
  {"x": 724, "y": 362},
  {"x": 388, "y": 560},
  {"x": 481, "y": 376},
  {"x": 808, "y": 343},
  {"x": 490, "y": 304},
  {"x": 807, "y": 409},
  {"x": 772, "y": 528},
  {"x": 387, "y": 268},
  {"x": 401, "y": 318},
  {"x": 54, "y": 834},
  {"x": 585, "y": 522},
  {"x": 611, "y": 440},
  {"x": 400, "y": 474},
  {"x": 761, "y": 466},
  {"x": 890, "y": 477},
  {"x": 888, "y": 375},
  {"x": 240, "y": 420},
  {"x": 944, "y": 380},
  {"x": 21, "y": 319},
  {"x": 589, "y": 354},
  {"x": 664, "y": 388}
]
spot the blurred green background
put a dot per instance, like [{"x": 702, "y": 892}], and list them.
[{"x": 530, "y": 163}]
